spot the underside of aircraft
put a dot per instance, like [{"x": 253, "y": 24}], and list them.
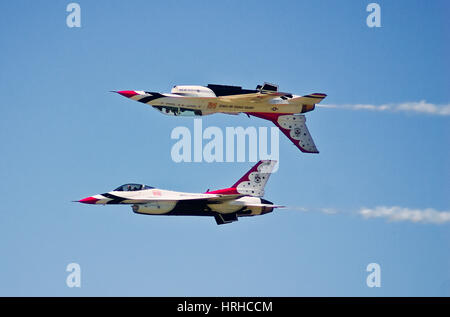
[{"x": 285, "y": 110}]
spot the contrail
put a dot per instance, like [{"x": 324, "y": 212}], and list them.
[
  {"x": 413, "y": 107},
  {"x": 328, "y": 211},
  {"x": 391, "y": 214},
  {"x": 396, "y": 213}
]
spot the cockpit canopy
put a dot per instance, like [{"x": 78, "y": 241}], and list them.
[{"x": 132, "y": 187}]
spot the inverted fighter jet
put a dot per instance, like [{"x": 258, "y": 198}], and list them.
[
  {"x": 243, "y": 199},
  {"x": 266, "y": 102}
]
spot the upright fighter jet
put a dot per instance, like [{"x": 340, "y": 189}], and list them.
[
  {"x": 243, "y": 199},
  {"x": 266, "y": 102}
]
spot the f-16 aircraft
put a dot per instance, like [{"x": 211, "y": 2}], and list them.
[
  {"x": 243, "y": 199},
  {"x": 266, "y": 102}
]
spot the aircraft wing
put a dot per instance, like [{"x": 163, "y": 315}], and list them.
[
  {"x": 210, "y": 198},
  {"x": 222, "y": 198},
  {"x": 294, "y": 127},
  {"x": 254, "y": 97}
]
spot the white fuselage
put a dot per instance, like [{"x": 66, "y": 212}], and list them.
[{"x": 159, "y": 201}]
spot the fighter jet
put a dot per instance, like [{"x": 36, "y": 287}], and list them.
[
  {"x": 243, "y": 199},
  {"x": 285, "y": 110}
]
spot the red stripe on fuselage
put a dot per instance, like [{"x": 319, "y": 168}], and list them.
[{"x": 225, "y": 191}]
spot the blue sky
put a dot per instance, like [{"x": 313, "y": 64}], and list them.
[{"x": 65, "y": 137}]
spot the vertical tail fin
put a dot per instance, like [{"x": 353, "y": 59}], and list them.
[
  {"x": 294, "y": 127},
  {"x": 254, "y": 181}
]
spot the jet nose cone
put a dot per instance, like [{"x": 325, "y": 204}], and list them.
[
  {"x": 127, "y": 93},
  {"x": 88, "y": 200}
]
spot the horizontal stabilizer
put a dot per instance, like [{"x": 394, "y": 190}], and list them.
[
  {"x": 311, "y": 99},
  {"x": 264, "y": 205}
]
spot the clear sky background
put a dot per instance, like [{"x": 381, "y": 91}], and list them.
[{"x": 64, "y": 137}]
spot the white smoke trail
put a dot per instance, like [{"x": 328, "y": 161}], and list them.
[
  {"x": 328, "y": 211},
  {"x": 396, "y": 213},
  {"x": 393, "y": 213},
  {"x": 414, "y": 107}
]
